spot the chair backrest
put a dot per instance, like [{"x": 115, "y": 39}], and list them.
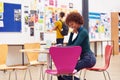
[
  {"x": 65, "y": 58},
  {"x": 108, "y": 53},
  {"x": 32, "y": 55},
  {"x": 3, "y": 53}
]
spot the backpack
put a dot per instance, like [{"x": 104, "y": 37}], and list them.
[{"x": 64, "y": 30}]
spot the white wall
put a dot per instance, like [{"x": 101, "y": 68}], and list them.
[
  {"x": 18, "y": 37},
  {"x": 24, "y": 36},
  {"x": 104, "y": 5},
  {"x": 94, "y": 5},
  {"x": 13, "y": 1}
]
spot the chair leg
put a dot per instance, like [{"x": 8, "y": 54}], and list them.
[
  {"x": 80, "y": 73},
  {"x": 44, "y": 75},
  {"x": 108, "y": 75},
  {"x": 30, "y": 74},
  {"x": 4, "y": 74},
  {"x": 15, "y": 75},
  {"x": 104, "y": 75},
  {"x": 72, "y": 77},
  {"x": 40, "y": 72},
  {"x": 84, "y": 75},
  {"x": 9, "y": 75},
  {"x": 25, "y": 74}
]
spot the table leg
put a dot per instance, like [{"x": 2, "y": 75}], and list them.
[
  {"x": 95, "y": 48},
  {"x": 23, "y": 56},
  {"x": 113, "y": 48},
  {"x": 49, "y": 66},
  {"x": 101, "y": 49}
]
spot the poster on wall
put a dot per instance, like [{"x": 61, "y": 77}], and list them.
[
  {"x": 105, "y": 22},
  {"x": 17, "y": 14},
  {"x": 56, "y": 3},
  {"x": 50, "y": 18},
  {"x": 33, "y": 18},
  {"x": 41, "y": 16},
  {"x": 1, "y": 20},
  {"x": 99, "y": 26},
  {"x": 1, "y": 24},
  {"x": 41, "y": 21},
  {"x": 33, "y": 5},
  {"x": 41, "y": 36},
  {"x": 10, "y": 17},
  {"x": 1, "y": 7},
  {"x": 31, "y": 31},
  {"x": 70, "y": 5},
  {"x": 52, "y": 15},
  {"x": 1, "y": 14},
  {"x": 51, "y": 2},
  {"x": 26, "y": 14}
]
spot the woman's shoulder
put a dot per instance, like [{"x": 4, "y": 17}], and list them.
[
  {"x": 83, "y": 29},
  {"x": 57, "y": 23}
]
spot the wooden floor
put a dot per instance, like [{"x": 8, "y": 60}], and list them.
[{"x": 114, "y": 71}]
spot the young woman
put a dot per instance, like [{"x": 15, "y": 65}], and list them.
[
  {"x": 58, "y": 27},
  {"x": 87, "y": 59}
]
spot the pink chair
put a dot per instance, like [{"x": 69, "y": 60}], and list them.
[{"x": 65, "y": 59}]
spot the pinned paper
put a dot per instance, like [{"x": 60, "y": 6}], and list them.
[
  {"x": 1, "y": 24},
  {"x": 1, "y": 7}
]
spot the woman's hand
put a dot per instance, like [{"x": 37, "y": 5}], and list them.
[{"x": 75, "y": 30}]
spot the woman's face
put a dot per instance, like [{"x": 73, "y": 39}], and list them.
[{"x": 73, "y": 25}]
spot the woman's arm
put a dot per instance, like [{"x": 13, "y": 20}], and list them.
[
  {"x": 80, "y": 38},
  {"x": 70, "y": 38}
]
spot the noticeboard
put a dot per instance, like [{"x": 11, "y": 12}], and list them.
[{"x": 10, "y": 17}]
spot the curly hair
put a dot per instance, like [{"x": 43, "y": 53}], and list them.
[{"x": 75, "y": 17}]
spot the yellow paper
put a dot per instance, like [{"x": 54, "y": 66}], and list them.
[
  {"x": 1, "y": 7},
  {"x": 101, "y": 29}
]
